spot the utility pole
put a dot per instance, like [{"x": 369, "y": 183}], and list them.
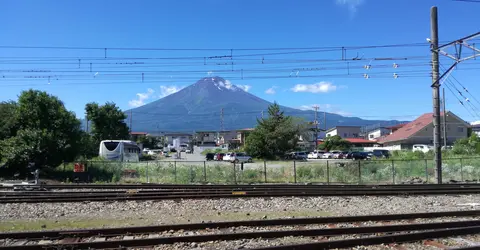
[
  {"x": 221, "y": 119},
  {"x": 131, "y": 116},
  {"x": 436, "y": 92},
  {"x": 444, "y": 120},
  {"x": 86, "y": 119},
  {"x": 316, "y": 126},
  {"x": 325, "y": 121},
  {"x": 221, "y": 125}
]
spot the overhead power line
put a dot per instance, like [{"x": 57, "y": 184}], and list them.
[{"x": 217, "y": 49}]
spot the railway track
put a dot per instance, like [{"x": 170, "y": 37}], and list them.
[
  {"x": 230, "y": 186},
  {"x": 162, "y": 192},
  {"x": 392, "y": 228}
]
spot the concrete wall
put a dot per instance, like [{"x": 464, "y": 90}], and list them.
[{"x": 389, "y": 148}]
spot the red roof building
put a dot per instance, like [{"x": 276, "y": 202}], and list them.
[
  {"x": 360, "y": 142},
  {"x": 420, "y": 131}
]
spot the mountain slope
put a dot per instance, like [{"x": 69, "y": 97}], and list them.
[{"x": 199, "y": 106}]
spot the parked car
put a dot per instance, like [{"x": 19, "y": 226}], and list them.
[
  {"x": 154, "y": 152},
  {"x": 227, "y": 156},
  {"x": 422, "y": 148},
  {"x": 336, "y": 154},
  {"x": 343, "y": 155},
  {"x": 240, "y": 157},
  {"x": 209, "y": 156},
  {"x": 327, "y": 155},
  {"x": 357, "y": 155},
  {"x": 300, "y": 156},
  {"x": 289, "y": 156},
  {"x": 447, "y": 147},
  {"x": 380, "y": 153},
  {"x": 317, "y": 154},
  {"x": 219, "y": 156},
  {"x": 188, "y": 151}
]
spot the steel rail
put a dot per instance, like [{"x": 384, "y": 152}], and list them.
[
  {"x": 234, "y": 194},
  {"x": 474, "y": 247},
  {"x": 208, "y": 186},
  {"x": 470, "y": 225},
  {"x": 247, "y": 223},
  {"x": 128, "y": 197},
  {"x": 212, "y": 191},
  {"x": 368, "y": 241},
  {"x": 295, "y": 188}
]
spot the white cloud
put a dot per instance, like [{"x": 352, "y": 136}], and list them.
[
  {"x": 141, "y": 98},
  {"x": 271, "y": 91},
  {"x": 168, "y": 90},
  {"x": 329, "y": 108},
  {"x": 245, "y": 88},
  {"x": 351, "y": 4},
  {"x": 320, "y": 87}
]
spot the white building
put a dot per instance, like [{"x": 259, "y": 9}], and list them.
[
  {"x": 476, "y": 127},
  {"x": 181, "y": 138},
  {"x": 344, "y": 131},
  {"x": 376, "y": 133}
]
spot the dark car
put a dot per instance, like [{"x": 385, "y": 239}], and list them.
[
  {"x": 381, "y": 153},
  {"x": 357, "y": 155},
  {"x": 301, "y": 156},
  {"x": 209, "y": 156}
]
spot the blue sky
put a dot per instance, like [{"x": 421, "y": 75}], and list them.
[{"x": 296, "y": 79}]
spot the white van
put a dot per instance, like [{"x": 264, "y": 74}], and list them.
[{"x": 422, "y": 147}]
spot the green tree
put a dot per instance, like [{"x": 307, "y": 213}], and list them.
[
  {"x": 273, "y": 136},
  {"x": 108, "y": 122},
  {"x": 151, "y": 142},
  {"x": 335, "y": 143},
  {"x": 470, "y": 145},
  {"x": 47, "y": 133},
  {"x": 8, "y": 119}
]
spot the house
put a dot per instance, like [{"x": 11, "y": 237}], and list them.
[
  {"x": 215, "y": 137},
  {"x": 135, "y": 135},
  {"x": 242, "y": 135},
  {"x": 344, "y": 131},
  {"x": 376, "y": 133},
  {"x": 206, "y": 138},
  {"x": 475, "y": 127},
  {"x": 228, "y": 137},
  {"x": 420, "y": 131},
  {"x": 396, "y": 127},
  {"x": 184, "y": 138}
]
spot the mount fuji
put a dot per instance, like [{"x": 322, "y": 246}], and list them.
[{"x": 199, "y": 107}]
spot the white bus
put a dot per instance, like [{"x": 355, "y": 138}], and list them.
[{"x": 119, "y": 150}]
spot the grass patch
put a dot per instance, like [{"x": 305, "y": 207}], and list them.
[
  {"x": 62, "y": 224},
  {"x": 57, "y": 224},
  {"x": 234, "y": 216},
  {"x": 349, "y": 172}
]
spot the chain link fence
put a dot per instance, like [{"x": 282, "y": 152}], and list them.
[{"x": 316, "y": 171}]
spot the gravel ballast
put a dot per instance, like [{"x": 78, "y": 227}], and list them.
[
  {"x": 171, "y": 211},
  {"x": 190, "y": 211}
]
